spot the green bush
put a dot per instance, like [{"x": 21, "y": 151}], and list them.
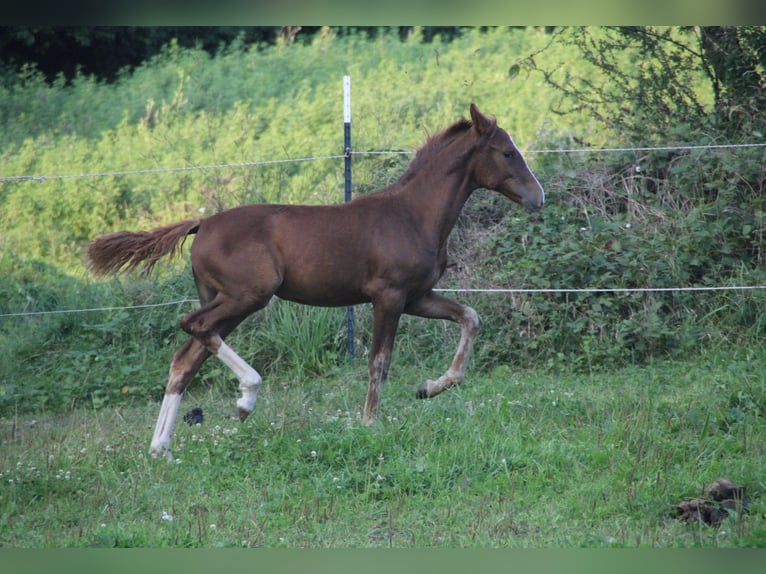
[{"x": 631, "y": 231}]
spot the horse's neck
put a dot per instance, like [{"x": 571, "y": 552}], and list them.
[{"x": 437, "y": 202}]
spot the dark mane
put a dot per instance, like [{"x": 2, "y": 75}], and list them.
[{"x": 434, "y": 146}]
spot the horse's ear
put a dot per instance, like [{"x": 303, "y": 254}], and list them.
[{"x": 484, "y": 126}]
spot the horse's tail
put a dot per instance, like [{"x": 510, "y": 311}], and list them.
[{"x": 123, "y": 251}]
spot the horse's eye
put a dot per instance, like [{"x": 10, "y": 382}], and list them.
[{"x": 507, "y": 154}]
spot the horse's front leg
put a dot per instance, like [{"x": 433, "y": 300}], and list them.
[
  {"x": 434, "y": 306},
  {"x": 386, "y": 316}
]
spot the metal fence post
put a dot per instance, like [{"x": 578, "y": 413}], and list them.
[{"x": 347, "y": 178}]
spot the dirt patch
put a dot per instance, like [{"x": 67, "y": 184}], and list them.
[{"x": 721, "y": 498}]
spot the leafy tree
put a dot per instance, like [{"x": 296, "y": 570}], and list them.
[
  {"x": 703, "y": 79},
  {"x": 735, "y": 58}
]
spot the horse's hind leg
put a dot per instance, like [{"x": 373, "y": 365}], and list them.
[
  {"x": 185, "y": 364},
  {"x": 434, "y": 306},
  {"x": 207, "y": 327},
  {"x": 210, "y": 324}
]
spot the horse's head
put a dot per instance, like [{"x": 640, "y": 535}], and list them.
[{"x": 500, "y": 166}]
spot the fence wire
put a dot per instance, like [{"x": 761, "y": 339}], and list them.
[
  {"x": 440, "y": 290},
  {"x": 263, "y": 163}
]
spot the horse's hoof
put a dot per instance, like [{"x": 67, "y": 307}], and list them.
[
  {"x": 243, "y": 414},
  {"x": 161, "y": 452},
  {"x": 422, "y": 392}
]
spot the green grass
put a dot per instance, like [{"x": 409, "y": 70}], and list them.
[{"x": 510, "y": 459}]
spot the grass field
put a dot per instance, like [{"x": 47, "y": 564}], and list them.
[{"x": 510, "y": 459}]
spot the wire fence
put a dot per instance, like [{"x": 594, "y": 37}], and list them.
[
  {"x": 158, "y": 170},
  {"x": 440, "y": 290},
  {"x": 263, "y": 163},
  {"x": 42, "y": 178}
]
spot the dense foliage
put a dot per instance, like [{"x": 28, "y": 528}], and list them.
[
  {"x": 186, "y": 131},
  {"x": 109, "y": 51}
]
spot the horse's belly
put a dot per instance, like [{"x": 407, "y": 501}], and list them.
[{"x": 321, "y": 293}]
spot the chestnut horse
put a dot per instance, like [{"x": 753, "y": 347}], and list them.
[{"x": 387, "y": 248}]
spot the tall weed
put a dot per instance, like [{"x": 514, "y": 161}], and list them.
[{"x": 297, "y": 338}]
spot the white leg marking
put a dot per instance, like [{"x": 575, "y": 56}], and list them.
[
  {"x": 249, "y": 379},
  {"x": 165, "y": 421},
  {"x": 469, "y": 327}
]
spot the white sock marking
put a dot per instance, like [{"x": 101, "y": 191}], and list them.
[
  {"x": 249, "y": 379},
  {"x": 165, "y": 422}
]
